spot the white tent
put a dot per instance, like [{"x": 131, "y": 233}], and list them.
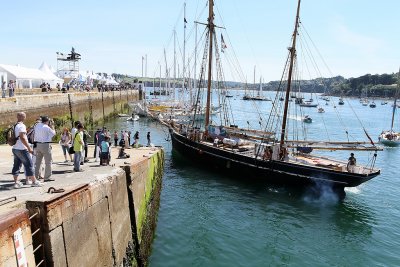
[
  {"x": 52, "y": 79},
  {"x": 111, "y": 81},
  {"x": 26, "y": 77}
]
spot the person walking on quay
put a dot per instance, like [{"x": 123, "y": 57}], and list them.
[
  {"x": 148, "y": 139},
  {"x": 100, "y": 138},
  {"x": 126, "y": 139},
  {"x": 3, "y": 89},
  {"x": 65, "y": 143},
  {"x": 115, "y": 138},
  {"x": 105, "y": 152},
  {"x": 11, "y": 88},
  {"x": 96, "y": 151},
  {"x": 86, "y": 135},
  {"x": 136, "y": 137},
  {"x": 44, "y": 133},
  {"x": 78, "y": 148},
  {"x": 21, "y": 151}
]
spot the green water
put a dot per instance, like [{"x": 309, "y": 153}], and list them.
[{"x": 207, "y": 219}]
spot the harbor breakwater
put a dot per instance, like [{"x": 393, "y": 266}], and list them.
[
  {"x": 103, "y": 218},
  {"x": 88, "y": 107}
]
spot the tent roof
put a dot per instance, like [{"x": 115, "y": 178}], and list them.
[
  {"x": 28, "y": 73},
  {"x": 45, "y": 68}
]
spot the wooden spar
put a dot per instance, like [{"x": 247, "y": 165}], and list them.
[
  {"x": 331, "y": 148},
  {"x": 326, "y": 142},
  {"x": 211, "y": 31},
  {"x": 248, "y": 130},
  {"x": 289, "y": 81}
]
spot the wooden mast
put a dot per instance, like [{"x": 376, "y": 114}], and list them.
[
  {"x": 211, "y": 31},
  {"x": 289, "y": 82}
]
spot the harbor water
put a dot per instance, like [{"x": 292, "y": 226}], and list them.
[{"x": 211, "y": 219}]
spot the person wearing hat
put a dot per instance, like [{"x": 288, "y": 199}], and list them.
[
  {"x": 351, "y": 163},
  {"x": 44, "y": 133}
]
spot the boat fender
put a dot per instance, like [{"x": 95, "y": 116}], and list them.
[
  {"x": 200, "y": 152},
  {"x": 228, "y": 164}
]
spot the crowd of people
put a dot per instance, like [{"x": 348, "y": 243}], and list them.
[{"x": 33, "y": 146}]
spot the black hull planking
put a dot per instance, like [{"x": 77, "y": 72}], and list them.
[{"x": 274, "y": 172}]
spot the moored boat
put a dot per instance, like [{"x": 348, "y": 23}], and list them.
[
  {"x": 391, "y": 137},
  {"x": 268, "y": 155}
]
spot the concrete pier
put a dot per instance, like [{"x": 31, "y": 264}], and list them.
[{"x": 105, "y": 215}]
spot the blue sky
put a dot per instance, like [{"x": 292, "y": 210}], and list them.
[{"x": 354, "y": 37}]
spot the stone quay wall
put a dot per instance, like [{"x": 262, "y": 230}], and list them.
[
  {"x": 107, "y": 222},
  {"x": 83, "y": 104}
]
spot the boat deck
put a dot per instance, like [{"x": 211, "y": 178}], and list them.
[{"x": 300, "y": 159}]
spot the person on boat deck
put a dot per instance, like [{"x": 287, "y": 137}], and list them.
[
  {"x": 284, "y": 155},
  {"x": 267, "y": 153},
  {"x": 352, "y": 163},
  {"x": 216, "y": 140}
]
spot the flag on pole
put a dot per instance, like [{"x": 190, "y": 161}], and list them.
[{"x": 223, "y": 44}]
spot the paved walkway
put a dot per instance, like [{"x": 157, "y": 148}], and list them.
[{"x": 63, "y": 174}]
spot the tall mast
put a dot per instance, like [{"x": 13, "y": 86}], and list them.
[
  {"x": 254, "y": 77},
  {"x": 395, "y": 100},
  {"x": 289, "y": 82},
  {"x": 184, "y": 45},
  {"x": 210, "y": 31},
  {"x": 195, "y": 60},
  {"x": 174, "y": 64}
]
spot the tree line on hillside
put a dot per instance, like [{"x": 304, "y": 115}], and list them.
[{"x": 377, "y": 85}]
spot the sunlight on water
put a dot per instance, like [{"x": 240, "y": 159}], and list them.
[{"x": 210, "y": 219}]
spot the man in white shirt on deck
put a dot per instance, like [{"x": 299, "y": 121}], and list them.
[
  {"x": 44, "y": 133},
  {"x": 21, "y": 151}
]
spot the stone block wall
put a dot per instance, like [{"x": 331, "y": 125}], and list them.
[
  {"x": 57, "y": 104},
  {"x": 9, "y": 223}
]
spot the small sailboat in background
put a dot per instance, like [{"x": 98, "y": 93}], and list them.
[
  {"x": 341, "y": 102},
  {"x": 390, "y": 137},
  {"x": 133, "y": 118},
  {"x": 307, "y": 119},
  {"x": 372, "y": 105}
]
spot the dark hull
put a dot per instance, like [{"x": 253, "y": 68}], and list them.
[{"x": 274, "y": 172}]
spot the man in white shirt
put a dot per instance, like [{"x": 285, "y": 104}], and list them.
[
  {"x": 21, "y": 151},
  {"x": 44, "y": 133}
]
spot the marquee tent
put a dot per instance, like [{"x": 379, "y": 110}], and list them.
[
  {"x": 27, "y": 77},
  {"x": 52, "y": 78}
]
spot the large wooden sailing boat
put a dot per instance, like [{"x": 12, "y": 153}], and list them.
[{"x": 259, "y": 154}]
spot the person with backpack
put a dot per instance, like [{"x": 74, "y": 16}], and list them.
[
  {"x": 21, "y": 151},
  {"x": 44, "y": 133}
]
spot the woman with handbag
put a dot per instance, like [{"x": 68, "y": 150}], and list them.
[{"x": 65, "y": 143}]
